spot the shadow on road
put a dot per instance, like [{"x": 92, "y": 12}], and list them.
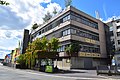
[{"x": 68, "y": 71}]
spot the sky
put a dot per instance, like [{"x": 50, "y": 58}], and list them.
[{"x": 22, "y": 14}]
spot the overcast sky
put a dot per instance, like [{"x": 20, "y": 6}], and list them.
[{"x": 22, "y": 14}]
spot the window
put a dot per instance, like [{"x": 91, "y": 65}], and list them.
[
  {"x": 40, "y": 33},
  {"x": 73, "y": 31},
  {"x": 84, "y": 20},
  {"x": 42, "y": 30},
  {"x": 61, "y": 48},
  {"x": 66, "y": 32},
  {"x": 66, "y": 18},
  {"x": 118, "y": 27},
  {"x": 118, "y": 33},
  {"x": 118, "y": 42}
]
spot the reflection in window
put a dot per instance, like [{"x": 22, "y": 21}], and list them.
[{"x": 66, "y": 18}]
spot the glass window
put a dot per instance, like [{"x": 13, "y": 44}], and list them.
[
  {"x": 66, "y": 18},
  {"x": 118, "y": 33},
  {"x": 42, "y": 30},
  {"x": 73, "y": 31},
  {"x": 40, "y": 33},
  {"x": 118, "y": 41},
  {"x": 118, "y": 27},
  {"x": 68, "y": 31},
  {"x": 63, "y": 33}
]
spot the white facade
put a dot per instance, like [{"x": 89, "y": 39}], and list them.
[{"x": 115, "y": 30}]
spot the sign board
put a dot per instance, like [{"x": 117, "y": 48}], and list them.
[
  {"x": 89, "y": 40},
  {"x": 86, "y": 54}
]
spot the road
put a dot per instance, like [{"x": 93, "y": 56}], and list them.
[{"x": 7, "y": 73}]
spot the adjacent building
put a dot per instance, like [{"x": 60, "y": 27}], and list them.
[
  {"x": 115, "y": 33},
  {"x": 75, "y": 26},
  {"x": 25, "y": 41}
]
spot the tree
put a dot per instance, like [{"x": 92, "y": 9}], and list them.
[
  {"x": 21, "y": 60},
  {"x": 34, "y": 26},
  {"x": 3, "y": 2},
  {"x": 54, "y": 44},
  {"x": 68, "y": 3},
  {"x": 55, "y": 11},
  {"x": 72, "y": 49},
  {"x": 43, "y": 46},
  {"x": 47, "y": 17},
  {"x": 44, "y": 43},
  {"x": 37, "y": 44}
]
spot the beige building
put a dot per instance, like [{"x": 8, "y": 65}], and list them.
[{"x": 71, "y": 26}]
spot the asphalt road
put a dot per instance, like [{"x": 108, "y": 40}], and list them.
[{"x": 7, "y": 73}]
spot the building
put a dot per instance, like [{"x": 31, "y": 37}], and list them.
[
  {"x": 25, "y": 41},
  {"x": 115, "y": 33},
  {"x": 71, "y": 26},
  {"x": 115, "y": 40}
]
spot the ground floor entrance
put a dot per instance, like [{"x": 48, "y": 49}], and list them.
[{"x": 80, "y": 63}]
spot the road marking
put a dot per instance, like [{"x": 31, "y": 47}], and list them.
[
  {"x": 31, "y": 72},
  {"x": 67, "y": 76}
]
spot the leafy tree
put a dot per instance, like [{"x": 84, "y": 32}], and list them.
[
  {"x": 72, "y": 48},
  {"x": 3, "y": 2},
  {"x": 21, "y": 60},
  {"x": 44, "y": 43},
  {"x": 34, "y": 26},
  {"x": 37, "y": 44},
  {"x": 68, "y": 3},
  {"x": 55, "y": 11},
  {"x": 54, "y": 44},
  {"x": 47, "y": 17}
]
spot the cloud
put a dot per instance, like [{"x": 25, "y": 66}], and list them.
[
  {"x": 11, "y": 34},
  {"x": 51, "y": 6},
  {"x": 111, "y": 18},
  {"x": 21, "y": 14}
]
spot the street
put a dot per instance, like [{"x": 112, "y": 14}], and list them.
[{"x": 7, "y": 73}]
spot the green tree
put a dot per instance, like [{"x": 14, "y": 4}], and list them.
[
  {"x": 44, "y": 43},
  {"x": 73, "y": 48},
  {"x": 35, "y": 26},
  {"x": 54, "y": 44},
  {"x": 47, "y": 17},
  {"x": 21, "y": 60},
  {"x": 55, "y": 11},
  {"x": 68, "y": 3},
  {"x": 37, "y": 44},
  {"x": 3, "y": 2}
]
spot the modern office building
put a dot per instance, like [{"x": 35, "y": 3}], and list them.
[{"x": 75, "y": 26}]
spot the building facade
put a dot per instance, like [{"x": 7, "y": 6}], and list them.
[
  {"x": 75, "y": 26},
  {"x": 115, "y": 33},
  {"x": 25, "y": 41}
]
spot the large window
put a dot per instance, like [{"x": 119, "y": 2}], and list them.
[
  {"x": 90, "y": 49},
  {"x": 84, "y": 20},
  {"x": 83, "y": 48},
  {"x": 81, "y": 33}
]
